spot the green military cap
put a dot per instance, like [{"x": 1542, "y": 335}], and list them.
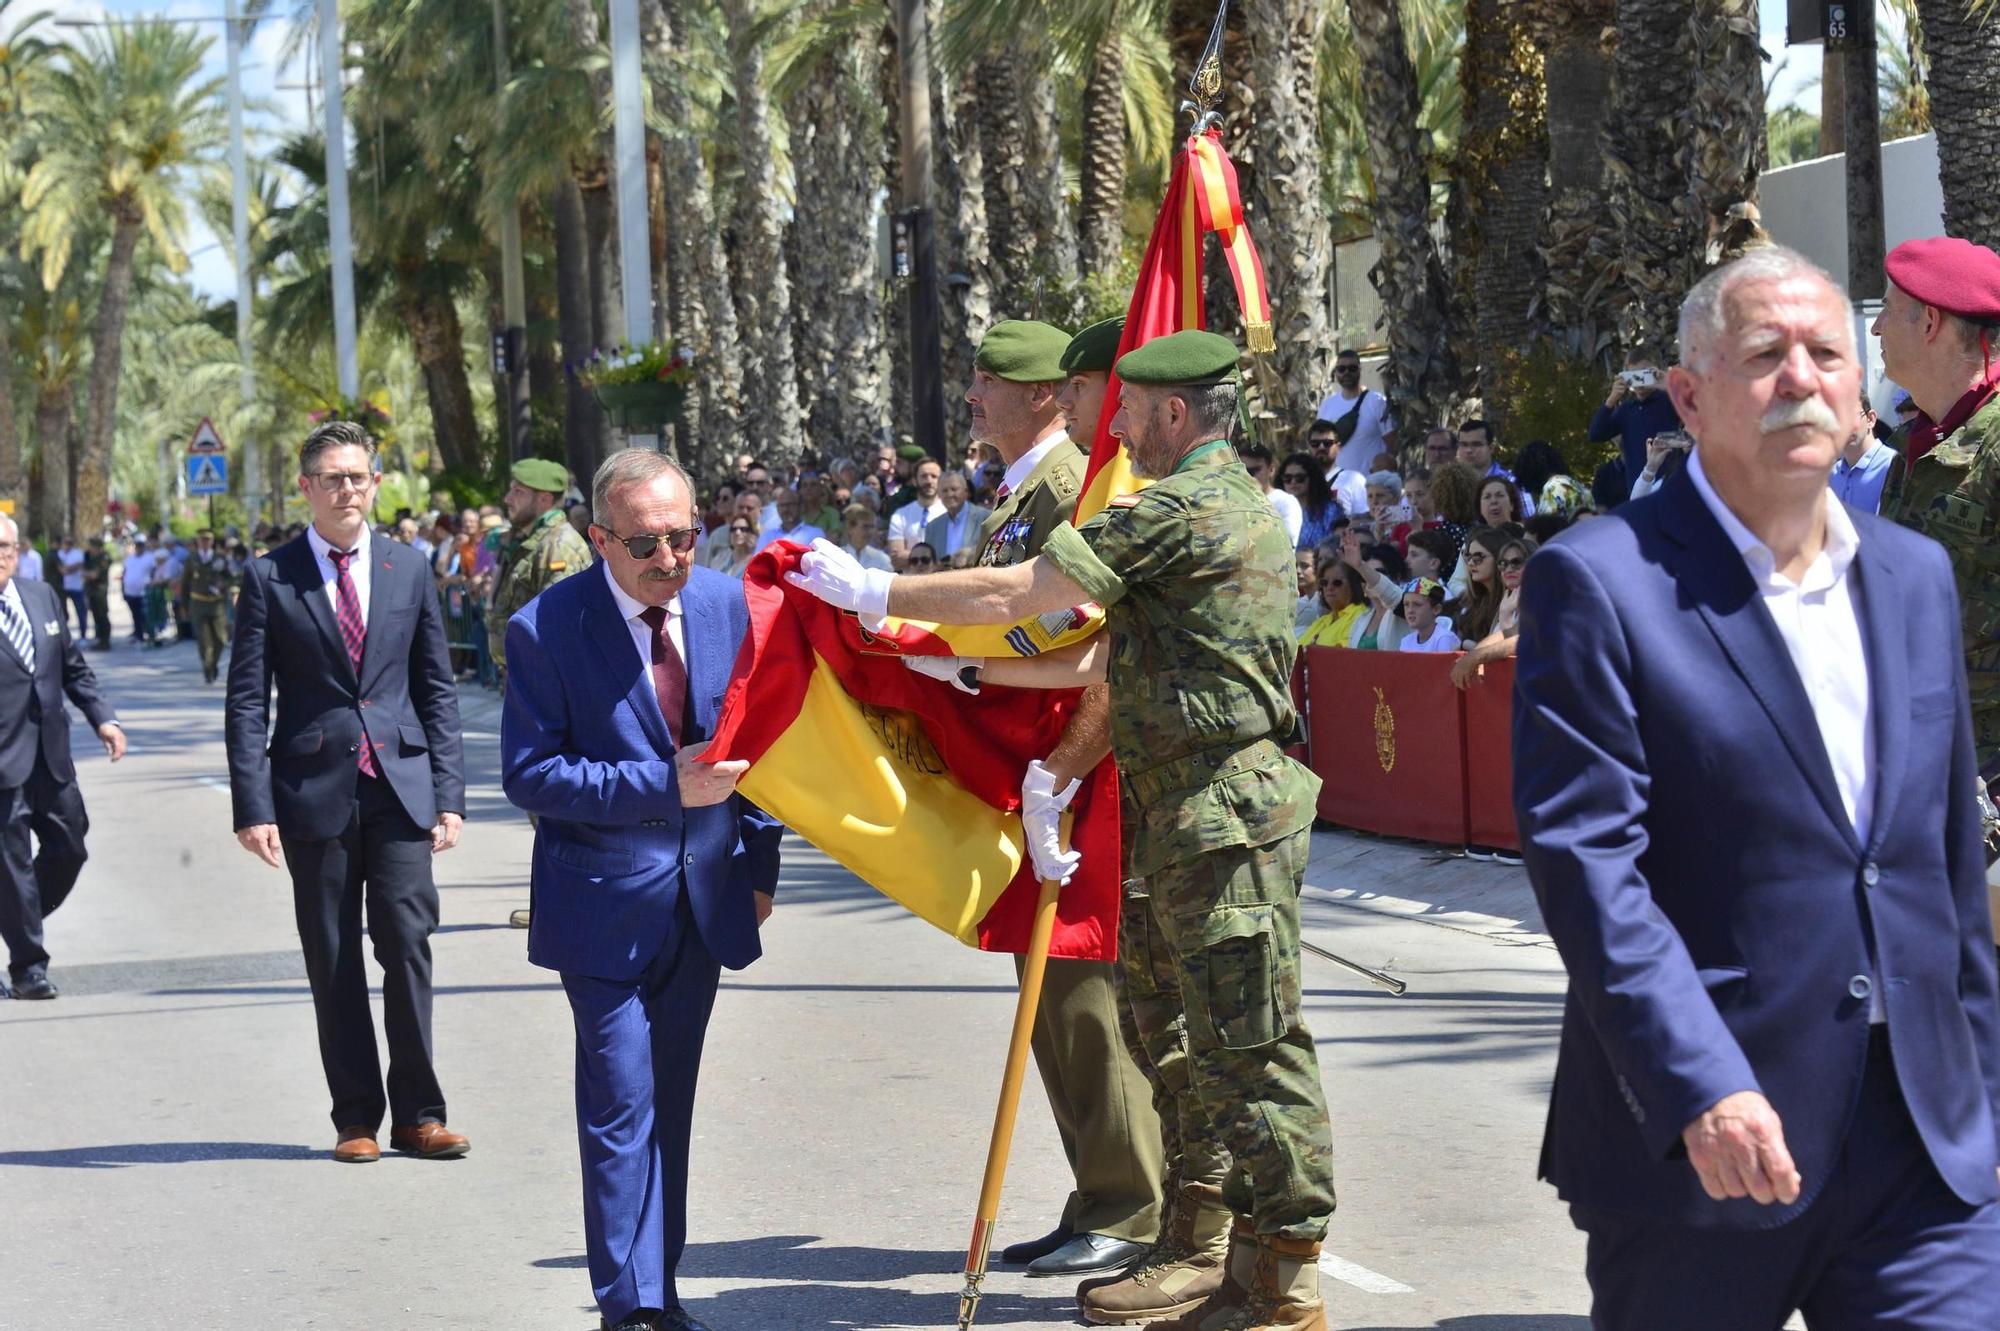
[
  {"x": 1094, "y": 348},
  {"x": 912, "y": 453},
  {"x": 541, "y": 474},
  {"x": 1190, "y": 357},
  {"x": 1023, "y": 351}
]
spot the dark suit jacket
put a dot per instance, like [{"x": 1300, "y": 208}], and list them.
[
  {"x": 302, "y": 778},
  {"x": 32, "y": 717},
  {"x": 1720, "y": 921},
  {"x": 583, "y": 746}
]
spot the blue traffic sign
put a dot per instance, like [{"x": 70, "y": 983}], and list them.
[{"x": 208, "y": 474}]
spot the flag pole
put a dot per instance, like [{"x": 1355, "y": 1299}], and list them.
[{"x": 1025, "y": 1008}]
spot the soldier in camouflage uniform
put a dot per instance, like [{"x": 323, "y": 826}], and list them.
[
  {"x": 1938, "y": 328},
  {"x": 209, "y": 582},
  {"x": 541, "y": 550},
  {"x": 1196, "y": 577}
]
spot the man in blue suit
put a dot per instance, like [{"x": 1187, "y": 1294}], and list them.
[
  {"x": 650, "y": 872},
  {"x": 1743, "y": 771}
]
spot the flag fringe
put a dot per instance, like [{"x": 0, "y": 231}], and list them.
[{"x": 1259, "y": 338}]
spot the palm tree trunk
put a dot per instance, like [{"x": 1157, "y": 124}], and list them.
[
  {"x": 764, "y": 305},
  {"x": 1101, "y": 214},
  {"x": 11, "y": 474},
  {"x": 1004, "y": 181},
  {"x": 52, "y": 418},
  {"x": 1051, "y": 230},
  {"x": 961, "y": 235},
  {"x": 1964, "y": 51},
  {"x": 1288, "y": 216},
  {"x": 1423, "y": 371},
  {"x": 584, "y": 439},
  {"x": 600, "y": 229},
  {"x": 896, "y": 317},
  {"x": 1501, "y": 176},
  {"x": 1727, "y": 111},
  {"x": 1578, "y": 247},
  {"x": 1646, "y": 150},
  {"x": 438, "y": 339},
  {"x": 93, "y": 482},
  {"x": 836, "y": 296}
]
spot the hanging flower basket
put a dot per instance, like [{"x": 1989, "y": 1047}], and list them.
[{"x": 641, "y": 408}]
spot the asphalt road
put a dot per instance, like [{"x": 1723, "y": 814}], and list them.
[{"x": 163, "y": 1129}]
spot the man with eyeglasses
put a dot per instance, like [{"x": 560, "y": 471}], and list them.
[
  {"x": 1360, "y": 414},
  {"x": 357, "y": 785},
  {"x": 40, "y": 665},
  {"x": 651, "y": 873}
]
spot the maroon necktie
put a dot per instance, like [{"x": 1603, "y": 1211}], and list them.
[
  {"x": 1001, "y": 493},
  {"x": 353, "y": 632},
  {"x": 670, "y": 678}
]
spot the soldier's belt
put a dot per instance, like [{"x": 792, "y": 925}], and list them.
[{"x": 1198, "y": 769}]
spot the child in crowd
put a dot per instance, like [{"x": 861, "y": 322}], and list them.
[{"x": 1423, "y": 598}]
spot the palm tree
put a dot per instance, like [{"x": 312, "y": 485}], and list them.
[
  {"x": 125, "y": 117},
  {"x": 1423, "y": 370},
  {"x": 1289, "y": 222},
  {"x": 1578, "y": 245},
  {"x": 1791, "y": 134},
  {"x": 1964, "y": 51},
  {"x": 21, "y": 52},
  {"x": 1728, "y": 150},
  {"x": 764, "y": 302},
  {"x": 1500, "y": 181},
  {"x": 1646, "y": 151}
]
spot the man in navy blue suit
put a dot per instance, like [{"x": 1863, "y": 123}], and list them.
[
  {"x": 357, "y": 784},
  {"x": 650, "y": 872},
  {"x": 1743, "y": 770}
]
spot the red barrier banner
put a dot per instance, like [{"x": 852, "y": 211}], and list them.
[
  {"x": 1489, "y": 758},
  {"x": 1388, "y": 742},
  {"x": 1301, "y": 752}
]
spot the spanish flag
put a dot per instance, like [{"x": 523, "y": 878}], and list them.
[{"x": 910, "y": 783}]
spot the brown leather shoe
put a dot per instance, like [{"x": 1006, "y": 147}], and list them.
[
  {"x": 356, "y": 1147},
  {"x": 429, "y": 1141}
]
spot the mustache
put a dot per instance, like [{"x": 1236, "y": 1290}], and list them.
[{"x": 1810, "y": 411}]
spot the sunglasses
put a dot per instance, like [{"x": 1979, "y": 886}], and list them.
[
  {"x": 1298, "y": 476},
  {"x": 645, "y": 545},
  {"x": 923, "y": 562},
  {"x": 1347, "y": 369},
  {"x": 1513, "y": 565},
  {"x": 1476, "y": 557},
  {"x": 736, "y": 528}
]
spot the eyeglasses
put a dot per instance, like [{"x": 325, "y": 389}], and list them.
[
  {"x": 1513, "y": 565},
  {"x": 1475, "y": 557},
  {"x": 9, "y": 547},
  {"x": 646, "y": 544},
  {"x": 332, "y": 482},
  {"x": 1292, "y": 476}
]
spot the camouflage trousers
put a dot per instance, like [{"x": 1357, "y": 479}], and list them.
[
  {"x": 211, "y": 634},
  {"x": 1210, "y": 1005}
]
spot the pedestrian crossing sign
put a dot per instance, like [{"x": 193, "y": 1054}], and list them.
[{"x": 207, "y": 474}]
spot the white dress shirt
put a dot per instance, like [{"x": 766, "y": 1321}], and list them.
[
  {"x": 1021, "y": 468},
  {"x": 641, "y": 631},
  {"x": 907, "y": 523},
  {"x": 357, "y": 568},
  {"x": 1817, "y": 619}
]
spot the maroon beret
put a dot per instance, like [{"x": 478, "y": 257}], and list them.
[{"x": 1955, "y": 275}]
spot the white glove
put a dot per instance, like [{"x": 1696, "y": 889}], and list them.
[
  {"x": 1042, "y": 807},
  {"x": 836, "y": 577},
  {"x": 950, "y": 669}
]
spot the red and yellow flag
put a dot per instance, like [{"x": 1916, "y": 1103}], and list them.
[{"x": 908, "y": 782}]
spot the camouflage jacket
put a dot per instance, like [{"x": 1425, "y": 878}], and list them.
[
  {"x": 1013, "y": 533},
  {"x": 1196, "y": 577},
  {"x": 530, "y": 563},
  {"x": 208, "y": 581},
  {"x": 1952, "y": 495}
]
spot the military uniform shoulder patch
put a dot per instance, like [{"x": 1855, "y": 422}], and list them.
[
  {"x": 558, "y": 565},
  {"x": 1062, "y": 482}
]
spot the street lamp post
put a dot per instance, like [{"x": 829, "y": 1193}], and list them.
[
  {"x": 340, "y": 237},
  {"x": 628, "y": 129},
  {"x": 239, "y": 225}
]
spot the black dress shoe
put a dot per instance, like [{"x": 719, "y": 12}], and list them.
[
  {"x": 35, "y": 985},
  {"x": 1019, "y": 1254},
  {"x": 1087, "y": 1255},
  {"x": 679, "y": 1319},
  {"x": 639, "y": 1319}
]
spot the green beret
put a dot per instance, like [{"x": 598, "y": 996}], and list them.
[
  {"x": 541, "y": 474},
  {"x": 1190, "y": 357},
  {"x": 912, "y": 453},
  {"x": 1094, "y": 348},
  {"x": 1023, "y": 351}
]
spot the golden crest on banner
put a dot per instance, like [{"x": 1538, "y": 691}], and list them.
[{"x": 1385, "y": 733}]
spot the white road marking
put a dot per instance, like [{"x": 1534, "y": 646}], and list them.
[
  {"x": 1359, "y": 1276},
  {"x": 215, "y": 783}
]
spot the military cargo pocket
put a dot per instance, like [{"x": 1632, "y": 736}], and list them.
[{"x": 1231, "y": 983}]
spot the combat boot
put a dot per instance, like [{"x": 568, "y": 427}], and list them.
[
  {"x": 1178, "y": 1273},
  {"x": 1272, "y": 1285}
]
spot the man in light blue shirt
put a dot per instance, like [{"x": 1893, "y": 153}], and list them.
[{"x": 1863, "y": 466}]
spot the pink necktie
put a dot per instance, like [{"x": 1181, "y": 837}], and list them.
[
  {"x": 353, "y": 632},
  {"x": 1001, "y": 493},
  {"x": 670, "y": 679}
]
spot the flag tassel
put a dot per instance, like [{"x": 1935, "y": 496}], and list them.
[
  {"x": 1032, "y": 968},
  {"x": 1259, "y": 338}
]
